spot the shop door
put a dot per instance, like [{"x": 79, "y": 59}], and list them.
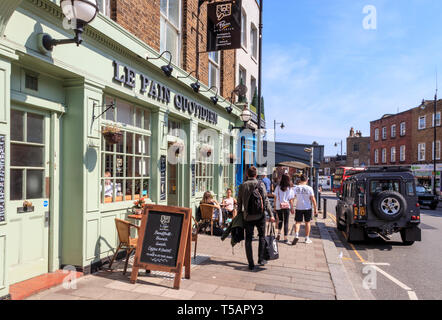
[{"x": 28, "y": 208}]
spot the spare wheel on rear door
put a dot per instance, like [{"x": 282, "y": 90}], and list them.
[{"x": 389, "y": 205}]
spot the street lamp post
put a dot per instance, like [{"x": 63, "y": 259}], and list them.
[
  {"x": 339, "y": 143},
  {"x": 274, "y": 127}
]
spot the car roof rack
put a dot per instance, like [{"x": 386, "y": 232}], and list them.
[{"x": 388, "y": 169}]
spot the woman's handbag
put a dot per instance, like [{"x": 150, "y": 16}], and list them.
[
  {"x": 271, "y": 247},
  {"x": 283, "y": 205}
]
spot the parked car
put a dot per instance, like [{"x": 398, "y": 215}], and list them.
[
  {"x": 427, "y": 198},
  {"x": 379, "y": 202}
]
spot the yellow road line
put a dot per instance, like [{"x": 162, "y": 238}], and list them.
[{"x": 351, "y": 245}]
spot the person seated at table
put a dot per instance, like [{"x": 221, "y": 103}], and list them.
[
  {"x": 208, "y": 199},
  {"x": 229, "y": 205}
]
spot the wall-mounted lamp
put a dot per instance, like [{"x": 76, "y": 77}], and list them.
[
  {"x": 195, "y": 86},
  {"x": 79, "y": 13},
  {"x": 229, "y": 109},
  {"x": 214, "y": 99},
  {"x": 168, "y": 68},
  {"x": 245, "y": 117}
]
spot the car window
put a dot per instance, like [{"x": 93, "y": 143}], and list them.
[
  {"x": 377, "y": 186},
  {"x": 410, "y": 189},
  {"x": 420, "y": 189}
]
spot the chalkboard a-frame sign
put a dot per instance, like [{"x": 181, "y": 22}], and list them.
[{"x": 164, "y": 242}]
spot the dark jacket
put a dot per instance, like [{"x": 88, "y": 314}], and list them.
[
  {"x": 236, "y": 229},
  {"x": 244, "y": 192}
]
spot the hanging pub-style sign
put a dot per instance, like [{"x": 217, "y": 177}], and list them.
[{"x": 224, "y": 25}]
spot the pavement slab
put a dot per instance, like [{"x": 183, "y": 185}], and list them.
[{"x": 218, "y": 273}]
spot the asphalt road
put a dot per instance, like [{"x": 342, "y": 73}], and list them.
[{"x": 418, "y": 267}]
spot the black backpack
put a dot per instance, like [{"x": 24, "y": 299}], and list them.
[{"x": 255, "y": 207}]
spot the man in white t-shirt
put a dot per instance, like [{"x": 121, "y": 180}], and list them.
[{"x": 305, "y": 202}]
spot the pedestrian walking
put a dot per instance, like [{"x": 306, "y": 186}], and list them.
[
  {"x": 305, "y": 204},
  {"x": 284, "y": 205},
  {"x": 252, "y": 204}
]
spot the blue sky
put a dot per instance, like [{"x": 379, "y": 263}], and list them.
[{"x": 324, "y": 73}]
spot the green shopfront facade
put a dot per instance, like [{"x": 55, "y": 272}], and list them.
[{"x": 55, "y": 155}]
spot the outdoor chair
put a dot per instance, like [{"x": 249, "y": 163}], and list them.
[
  {"x": 126, "y": 242},
  {"x": 207, "y": 215}
]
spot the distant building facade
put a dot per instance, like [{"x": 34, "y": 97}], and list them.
[{"x": 358, "y": 149}]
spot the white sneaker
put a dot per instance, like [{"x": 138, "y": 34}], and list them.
[{"x": 308, "y": 241}]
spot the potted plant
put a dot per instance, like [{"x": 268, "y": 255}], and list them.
[
  {"x": 179, "y": 148},
  {"x": 139, "y": 205},
  {"x": 206, "y": 150},
  {"x": 112, "y": 134}
]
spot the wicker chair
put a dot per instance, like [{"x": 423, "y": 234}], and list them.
[
  {"x": 207, "y": 215},
  {"x": 126, "y": 242},
  {"x": 195, "y": 230}
]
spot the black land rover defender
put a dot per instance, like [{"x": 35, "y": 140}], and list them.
[{"x": 379, "y": 201}]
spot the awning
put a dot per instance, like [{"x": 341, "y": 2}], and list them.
[{"x": 294, "y": 164}]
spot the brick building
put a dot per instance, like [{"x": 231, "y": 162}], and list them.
[
  {"x": 171, "y": 25},
  {"x": 391, "y": 139},
  {"x": 422, "y": 141},
  {"x": 329, "y": 164},
  {"x": 358, "y": 149}
]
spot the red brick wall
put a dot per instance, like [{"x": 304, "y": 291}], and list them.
[
  {"x": 142, "y": 18},
  {"x": 139, "y": 17},
  {"x": 425, "y": 135},
  {"x": 390, "y": 142}
]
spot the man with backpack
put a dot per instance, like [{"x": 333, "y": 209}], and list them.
[{"x": 252, "y": 203}]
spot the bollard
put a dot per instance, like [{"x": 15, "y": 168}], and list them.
[
  {"x": 319, "y": 201},
  {"x": 324, "y": 212}
]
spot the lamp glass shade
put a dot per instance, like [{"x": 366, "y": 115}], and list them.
[
  {"x": 246, "y": 115},
  {"x": 83, "y": 10}
]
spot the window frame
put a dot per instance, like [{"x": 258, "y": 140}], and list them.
[
  {"x": 438, "y": 117},
  {"x": 424, "y": 125},
  {"x": 393, "y": 154},
  {"x": 437, "y": 150},
  {"x": 244, "y": 29},
  {"x": 376, "y": 156},
  {"x": 403, "y": 129},
  {"x": 217, "y": 66},
  {"x": 384, "y": 155},
  {"x": 384, "y": 133},
  {"x": 421, "y": 147},
  {"x": 178, "y": 30},
  {"x": 253, "y": 41},
  {"x": 393, "y": 131},
  {"x": 402, "y": 150},
  {"x": 133, "y": 130},
  {"x": 376, "y": 134}
]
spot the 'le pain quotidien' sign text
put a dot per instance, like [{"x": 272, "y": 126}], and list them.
[{"x": 161, "y": 93}]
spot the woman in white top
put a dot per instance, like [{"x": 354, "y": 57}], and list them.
[{"x": 283, "y": 205}]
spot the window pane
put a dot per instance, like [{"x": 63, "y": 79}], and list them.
[
  {"x": 109, "y": 164},
  {"x": 17, "y": 125},
  {"x": 172, "y": 42},
  {"x": 119, "y": 163},
  {"x": 174, "y": 12},
  {"x": 129, "y": 166},
  {"x": 34, "y": 184},
  {"x": 146, "y": 120},
  {"x": 164, "y": 7},
  {"x": 26, "y": 156},
  {"x": 35, "y": 128},
  {"x": 110, "y": 114},
  {"x": 129, "y": 189},
  {"x": 138, "y": 120},
  {"x": 120, "y": 146},
  {"x": 119, "y": 190},
  {"x": 129, "y": 143},
  {"x": 16, "y": 185},
  {"x": 124, "y": 113}
]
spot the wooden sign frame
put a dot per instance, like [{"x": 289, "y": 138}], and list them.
[{"x": 184, "y": 250}]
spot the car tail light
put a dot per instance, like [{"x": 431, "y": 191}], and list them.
[
  {"x": 418, "y": 205},
  {"x": 415, "y": 218}
]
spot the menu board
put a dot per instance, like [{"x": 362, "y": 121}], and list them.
[
  {"x": 193, "y": 179},
  {"x": 2, "y": 178},
  {"x": 162, "y": 238},
  {"x": 165, "y": 241},
  {"x": 163, "y": 178}
]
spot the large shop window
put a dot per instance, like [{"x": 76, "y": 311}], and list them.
[
  {"x": 126, "y": 165},
  {"x": 205, "y": 167},
  {"x": 170, "y": 28},
  {"x": 227, "y": 147},
  {"x": 27, "y": 156}
]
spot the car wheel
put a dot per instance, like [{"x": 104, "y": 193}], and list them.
[
  {"x": 405, "y": 243},
  {"x": 340, "y": 227},
  {"x": 389, "y": 205}
]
